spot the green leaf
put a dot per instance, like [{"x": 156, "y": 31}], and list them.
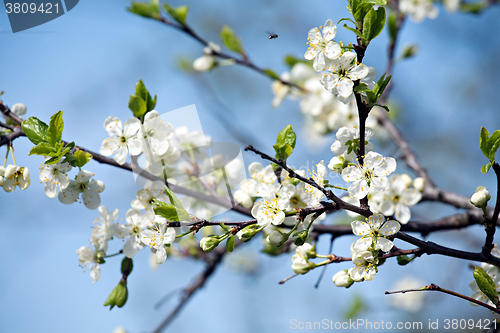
[
  {"x": 144, "y": 9},
  {"x": 171, "y": 213},
  {"x": 361, "y": 87},
  {"x": 383, "y": 107},
  {"x": 373, "y": 24},
  {"x": 392, "y": 28},
  {"x": 179, "y": 14},
  {"x": 173, "y": 198},
  {"x": 56, "y": 127},
  {"x": 231, "y": 40},
  {"x": 346, "y": 19},
  {"x": 291, "y": 61},
  {"x": 287, "y": 135},
  {"x": 485, "y": 168},
  {"x": 493, "y": 143},
  {"x": 473, "y": 7},
  {"x": 361, "y": 11},
  {"x": 283, "y": 151},
  {"x": 35, "y": 130},
  {"x": 82, "y": 158},
  {"x": 137, "y": 105},
  {"x": 271, "y": 74},
  {"x": 44, "y": 149},
  {"x": 483, "y": 141},
  {"x": 230, "y": 244},
  {"x": 486, "y": 284},
  {"x": 353, "y": 30}
]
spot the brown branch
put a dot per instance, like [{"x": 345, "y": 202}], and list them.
[
  {"x": 433, "y": 248},
  {"x": 188, "y": 292},
  {"x": 434, "y": 287},
  {"x": 492, "y": 223},
  {"x": 245, "y": 61},
  {"x": 340, "y": 204}
]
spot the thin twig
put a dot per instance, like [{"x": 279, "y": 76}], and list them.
[
  {"x": 434, "y": 287},
  {"x": 492, "y": 223}
]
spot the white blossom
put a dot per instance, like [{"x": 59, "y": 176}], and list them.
[
  {"x": 418, "y": 9},
  {"x": 374, "y": 232},
  {"x": 397, "y": 198},
  {"x": 322, "y": 45},
  {"x": 315, "y": 194},
  {"x": 347, "y": 142},
  {"x": 343, "y": 73},
  {"x": 89, "y": 257},
  {"x": 270, "y": 210},
  {"x": 160, "y": 236},
  {"x": 371, "y": 177},
  {"x": 156, "y": 135},
  {"x": 14, "y": 176},
  {"x": 153, "y": 190},
  {"x": 103, "y": 231},
  {"x": 121, "y": 141},
  {"x": 89, "y": 188},
  {"x": 54, "y": 175},
  {"x": 136, "y": 230}
]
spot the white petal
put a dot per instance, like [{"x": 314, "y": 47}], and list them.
[
  {"x": 132, "y": 127},
  {"x": 329, "y": 30},
  {"x": 131, "y": 247},
  {"x": 384, "y": 244},
  {"x": 345, "y": 87},
  {"x": 403, "y": 213},
  {"x": 50, "y": 189},
  {"x": 362, "y": 244},
  {"x": 390, "y": 228},
  {"x": 91, "y": 199},
  {"x": 360, "y": 228},
  {"x": 121, "y": 155},
  {"x": 134, "y": 146},
  {"x": 161, "y": 255},
  {"x": 113, "y": 126},
  {"x": 68, "y": 196},
  {"x": 359, "y": 189},
  {"x": 332, "y": 50}
]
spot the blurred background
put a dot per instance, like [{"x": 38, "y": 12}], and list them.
[{"x": 87, "y": 63}]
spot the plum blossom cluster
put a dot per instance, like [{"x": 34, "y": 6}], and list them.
[
  {"x": 270, "y": 200},
  {"x": 366, "y": 251},
  {"x": 14, "y": 176}
]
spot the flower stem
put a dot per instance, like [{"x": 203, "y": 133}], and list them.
[
  {"x": 6, "y": 156},
  {"x": 184, "y": 234},
  {"x": 12, "y": 153},
  {"x": 337, "y": 187}
]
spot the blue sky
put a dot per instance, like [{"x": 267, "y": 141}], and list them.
[{"x": 87, "y": 62}]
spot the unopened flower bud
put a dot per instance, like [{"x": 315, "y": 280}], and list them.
[
  {"x": 481, "y": 197},
  {"x": 243, "y": 198},
  {"x": 118, "y": 296},
  {"x": 419, "y": 184},
  {"x": 342, "y": 279},
  {"x": 207, "y": 244},
  {"x": 247, "y": 233},
  {"x": 19, "y": 109},
  {"x": 276, "y": 238},
  {"x": 300, "y": 237},
  {"x": 406, "y": 179}
]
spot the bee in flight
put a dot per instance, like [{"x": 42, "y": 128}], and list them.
[{"x": 272, "y": 35}]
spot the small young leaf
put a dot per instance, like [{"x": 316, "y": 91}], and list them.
[
  {"x": 173, "y": 198},
  {"x": 383, "y": 107},
  {"x": 486, "y": 284},
  {"x": 392, "y": 21},
  {"x": 171, "y": 213},
  {"x": 373, "y": 24},
  {"x": 137, "y": 105},
  {"x": 231, "y": 40},
  {"x": 353, "y": 30},
  {"x": 35, "y": 130},
  {"x": 483, "y": 141},
  {"x": 271, "y": 74},
  {"x": 44, "y": 149},
  {"x": 346, "y": 19},
  {"x": 291, "y": 60},
  {"x": 56, "y": 127},
  {"x": 288, "y": 136},
  {"x": 82, "y": 158},
  {"x": 179, "y": 14},
  {"x": 230, "y": 244},
  {"x": 361, "y": 11},
  {"x": 149, "y": 10},
  {"x": 493, "y": 144},
  {"x": 485, "y": 168}
]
